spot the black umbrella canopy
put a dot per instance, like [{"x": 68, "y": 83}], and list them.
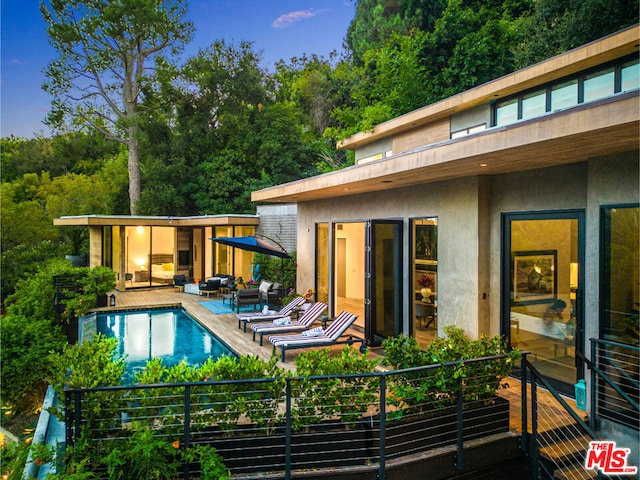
[{"x": 252, "y": 244}]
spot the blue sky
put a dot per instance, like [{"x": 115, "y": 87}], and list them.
[{"x": 281, "y": 29}]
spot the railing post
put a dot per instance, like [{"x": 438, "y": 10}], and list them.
[
  {"x": 593, "y": 402},
  {"x": 533, "y": 448},
  {"x": 523, "y": 403},
  {"x": 187, "y": 427},
  {"x": 77, "y": 414},
  {"x": 287, "y": 472},
  {"x": 383, "y": 427},
  {"x": 69, "y": 437},
  {"x": 460, "y": 428}
]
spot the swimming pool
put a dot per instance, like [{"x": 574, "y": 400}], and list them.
[{"x": 167, "y": 333}]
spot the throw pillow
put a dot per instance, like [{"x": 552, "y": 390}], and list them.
[
  {"x": 264, "y": 287},
  {"x": 313, "y": 332}
]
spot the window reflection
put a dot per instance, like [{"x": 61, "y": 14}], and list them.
[
  {"x": 621, "y": 266},
  {"x": 507, "y": 112},
  {"x": 564, "y": 95},
  {"x": 599, "y": 85},
  {"x": 534, "y": 104},
  {"x": 424, "y": 291},
  {"x": 630, "y": 76}
]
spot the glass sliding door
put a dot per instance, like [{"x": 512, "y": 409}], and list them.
[
  {"x": 542, "y": 291},
  {"x": 137, "y": 256},
  {"x": 322, "y": 262},
  {"x": 383, "y": 274},
  {"x": 222, "y": 257},
  {"x": 163, "y": 259},
  {"x": 348, "y": 269},
  {"x": 620, "y": 312},
  {"x": 243, "y": 259}
]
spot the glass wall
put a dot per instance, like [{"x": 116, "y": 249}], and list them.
[
  {"x": 424, "y": 294},
  {"x": 349, "y": 243},
  {"x": 163, "y": 247},
  {"x": 544, "y": 314},
  {"x": 243, "y": 259},
  {"x": 621, "y": 274},
  {"x": 322, "y": 262},
  {"x": 149, "y": 255},
  {"x": 588, "y": 86}
]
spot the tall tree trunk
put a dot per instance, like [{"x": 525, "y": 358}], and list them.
[{"x": 134, "y": 170}]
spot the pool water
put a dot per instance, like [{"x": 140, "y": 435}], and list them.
[{"x": 170, "y": 334}]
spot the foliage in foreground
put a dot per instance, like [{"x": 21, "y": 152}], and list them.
[
  {"x": 439, "y": 387},
  {"x": 30, "y": 315}
]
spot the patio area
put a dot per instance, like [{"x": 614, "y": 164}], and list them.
[{"x": 224, "y": 326}]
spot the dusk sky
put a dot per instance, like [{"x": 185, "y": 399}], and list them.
[{"x": 281, "y": 29}]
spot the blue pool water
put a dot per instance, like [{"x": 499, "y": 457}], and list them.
[{"x": 171, "y": 334}]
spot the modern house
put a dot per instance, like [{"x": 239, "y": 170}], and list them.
[
  {"x": 149, "y": 251},
  {"x": 516, "y": 203}
]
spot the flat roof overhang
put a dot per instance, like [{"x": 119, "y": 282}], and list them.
[
  {"x": 589, "y": 130},
  {"x": 125, "y": 220},
  {"x": 612, "y": 47}
]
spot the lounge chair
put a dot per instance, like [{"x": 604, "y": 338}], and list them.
[
  {"x": 244, "y": 318},
  {"x": 245, "y": 296},
  {"x": 331, "y": 336},
  {"x": 307, "y": 319},
  {"x": 210, "y": 287}
]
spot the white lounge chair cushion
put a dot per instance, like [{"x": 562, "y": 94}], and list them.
[{"x": 313, "y": 332}]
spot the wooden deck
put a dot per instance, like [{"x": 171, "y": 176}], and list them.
[{"x": 226, "y": 328}]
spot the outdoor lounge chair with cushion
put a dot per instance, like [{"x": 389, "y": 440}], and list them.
[
  {"x": 244, "y": 318},
  {"x": 307, "y": 319},
  {"x": 328, "y": 337},
  {"x": 245, "y": 296},
  {"x": 211, "y": 286}
]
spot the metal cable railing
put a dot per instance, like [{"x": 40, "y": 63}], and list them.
[
  {"x": 615, "y": 370},
  {"x": 299, "y": 423},
  {"x": 556, "y": 435}
]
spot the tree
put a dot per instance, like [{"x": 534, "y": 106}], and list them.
[{"x": 104, "y": 50}]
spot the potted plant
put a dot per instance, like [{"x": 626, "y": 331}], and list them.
[
  {"x": 105, "y": 281},
  {"x": 426, "y": 281}
]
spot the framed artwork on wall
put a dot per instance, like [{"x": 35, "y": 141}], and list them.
[{"x": 534, "y": 276}]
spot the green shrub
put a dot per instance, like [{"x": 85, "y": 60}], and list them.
[
  {"x": 94, "y": 363},
  {"x": 25, "y": 367},
  {"x": 414, "y": 392},
  {"x": 13, "y": 457},
  {"x": 344, "y": 398}
]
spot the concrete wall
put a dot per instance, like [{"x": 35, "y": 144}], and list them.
[
  {"x": 469, "y": 229},
  {"x": 280, "y": 223},
  {"x": 455, "y": 203}
]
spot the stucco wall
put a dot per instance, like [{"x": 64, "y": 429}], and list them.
[
  {"x": 613, "y": 180},
  {"x": 587, "y": 185},
  {"x": 469, "y": 229},
  {"x": 455, "y": 203}
]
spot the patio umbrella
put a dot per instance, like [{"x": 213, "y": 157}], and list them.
[{"x": 252, "y": 244}]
